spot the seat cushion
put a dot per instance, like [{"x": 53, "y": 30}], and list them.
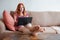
[
  {"x": 56, "y": 28},
  {"x": 49, "y": 30}
]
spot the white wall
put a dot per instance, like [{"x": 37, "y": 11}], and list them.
[
  {"x": 7, "y": 5},
  {"x": 31, "y": 5},
  {"x": 45, "y": 5}
]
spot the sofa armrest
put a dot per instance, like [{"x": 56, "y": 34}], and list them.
[{"x": 2, "y": 26}]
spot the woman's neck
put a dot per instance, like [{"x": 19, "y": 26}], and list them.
[{"x": 20, "y": 14}]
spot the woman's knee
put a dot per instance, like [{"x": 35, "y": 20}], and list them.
[{"x": 29, "y": 25}]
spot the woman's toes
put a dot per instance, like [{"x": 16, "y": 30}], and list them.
[{"x": 42, "y": 29}]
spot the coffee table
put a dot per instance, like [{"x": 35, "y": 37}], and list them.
[
  {"x": 18, "y": 36},
  {"x": 48, "y": 37}
]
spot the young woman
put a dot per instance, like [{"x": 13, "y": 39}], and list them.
[
  {"x": 10, "y": 21},
  {"x": 20, "y": 12}
]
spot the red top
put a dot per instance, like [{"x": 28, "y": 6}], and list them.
[{"x": 16, "y": 17}]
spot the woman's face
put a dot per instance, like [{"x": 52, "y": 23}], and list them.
[{"x": 21, "y": 8}]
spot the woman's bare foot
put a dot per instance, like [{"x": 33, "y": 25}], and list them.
[{"x": 36, "y": 29}]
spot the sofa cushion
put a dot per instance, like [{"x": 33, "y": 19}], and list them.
[{"x": 45, "y": 18}]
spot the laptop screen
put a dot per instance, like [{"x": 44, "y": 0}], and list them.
[{"x": 24, "y": 20}]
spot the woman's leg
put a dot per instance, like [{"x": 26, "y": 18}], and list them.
[
  {"x": 23, "y": 29},
  {"x": 8, "y": 20}
]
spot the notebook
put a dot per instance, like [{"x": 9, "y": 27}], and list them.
[{"x": 24, "y": 20}]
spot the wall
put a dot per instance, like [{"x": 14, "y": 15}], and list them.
[
  {"x": 45, "y": 5},
  {"x": 31, "y": 5}
]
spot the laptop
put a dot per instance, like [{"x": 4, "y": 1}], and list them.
[{"x": 24, "y": 20}]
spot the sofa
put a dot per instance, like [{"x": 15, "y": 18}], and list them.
[{"x": 48, "y": 20}]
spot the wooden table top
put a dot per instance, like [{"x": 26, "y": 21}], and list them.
[{"x": 18, "y": 36}]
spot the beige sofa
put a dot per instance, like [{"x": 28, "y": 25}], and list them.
[{"x": 48, "y": 20}]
